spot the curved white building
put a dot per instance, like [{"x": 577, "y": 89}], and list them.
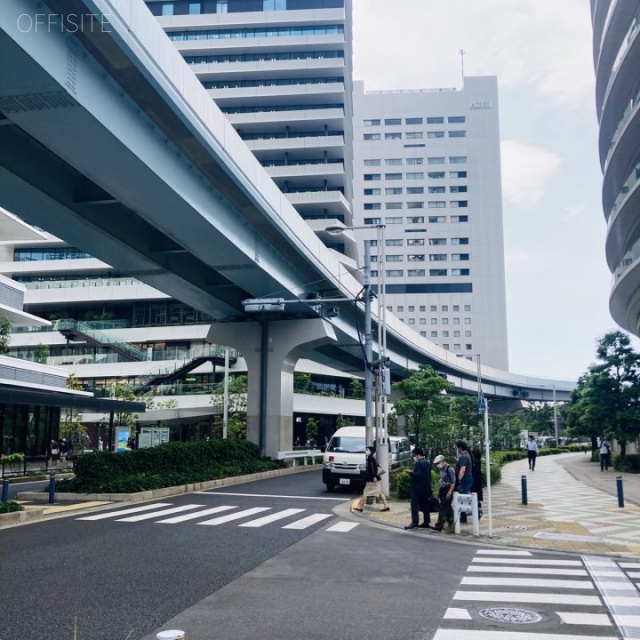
[{"x": 616, "y": 51}]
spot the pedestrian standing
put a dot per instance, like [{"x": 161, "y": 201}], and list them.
[
  {"x": 605, "y": 453},
  {"x": 420, "y": 490},
  {"x": 65, "y": 447},
  {"x": 476, "y": 472},
  {"x": 372, "y": 488},
  {"x": 446, "y": 484},
  {"x": 532, "y": 452},
  {"x": 464, "y": 472}
]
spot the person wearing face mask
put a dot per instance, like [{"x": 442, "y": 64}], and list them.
[
  {"x": 420, "y": 490},
  {"x": 372, "y": 487},
  {"x": 446, "y": 485}
]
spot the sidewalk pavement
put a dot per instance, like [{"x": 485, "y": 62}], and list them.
[{"x": 572, "y": 506}]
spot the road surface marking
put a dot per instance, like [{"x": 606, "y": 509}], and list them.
[
  {"x": 539, "y": 598},
  {"x": 234, "y": 516},
  {"x": 308, "y": 521},
  {"x": 594, "y": 619},
  {"x": 193, "y": 516},
  {"x": 280, "y": 515},
  {"x": 528, "y": 582},
  {"x": 164, "y": 512},
  {"x": 555, "y": 563},
  {"x": 457, "y": 614},
  {"x": 489, "y": 552},
  {"x": 122, "y": 512},
  {"x": 528, "y": 570},
  {"x": 342, "y": 527},
  {"x": 266, "y": 495}
]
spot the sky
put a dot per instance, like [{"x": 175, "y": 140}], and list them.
[{"x": 558, "y": 282}]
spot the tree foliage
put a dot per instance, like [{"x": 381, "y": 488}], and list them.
[
  {"x": 606, "y": 400},
  {"x": 425, "y": 407},
  {"x": 5, "y": 335},
  {"x": 71, "y": 426},
  {"x": 237, "y": 409}
]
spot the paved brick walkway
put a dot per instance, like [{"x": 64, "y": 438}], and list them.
[{"x": 572, "y": 506}]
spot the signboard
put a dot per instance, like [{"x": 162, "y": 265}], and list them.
[
  {"x": 152, "y": 436},
  {"x": 122, "y": 437}
]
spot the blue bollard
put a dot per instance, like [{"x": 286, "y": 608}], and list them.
[
  {"x": 5, "y": 490},
  {"x": 523, "y": 481},
  {"x": 620, "y": 491},
  {"x": 52, "y": 488}
]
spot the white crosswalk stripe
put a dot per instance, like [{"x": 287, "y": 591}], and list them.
[
  {"x": 164, "y": 512},
  {"x": 112, "y": 514},
  {"x": 193, "y": 516},
  {"x": 308, "y": 521},
  {"x": 272, "y": 518},
  {"x": 199, "y": 514},
  {"x": 234, "y": 516},
  {"x": 515, "y": 595}
]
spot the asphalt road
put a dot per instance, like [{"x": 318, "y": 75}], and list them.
[{"x": 116, "y": 580}]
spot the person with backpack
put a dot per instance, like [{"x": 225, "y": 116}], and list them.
[
  {"x": 446, "y": 484},
  {"x": 463, "y": 471}
]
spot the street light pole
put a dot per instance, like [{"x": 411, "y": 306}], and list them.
[
  {"x": 368, "y": 348},
  {"x": 382, "y": 435},
  {"x": 555, "y": 417},
  {"x": 483, "y": 407}
]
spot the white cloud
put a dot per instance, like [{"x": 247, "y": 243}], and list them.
[
  {"x": 526, "y": 169},
  {"x": 536, "y": 43}
]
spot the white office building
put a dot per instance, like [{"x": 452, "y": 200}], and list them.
[
  {"x": 281, "y": 72},
  {"x": 427, "y": 167}
]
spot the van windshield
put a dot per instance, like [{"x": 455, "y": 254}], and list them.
[{"x": 346, "y": 445}]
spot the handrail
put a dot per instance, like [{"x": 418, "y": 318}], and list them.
[
  {"x": 204, "y": 351},
  {"x": 82, "y": 328}
]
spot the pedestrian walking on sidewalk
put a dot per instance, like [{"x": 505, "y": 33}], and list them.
[
  {"x": 605, "y": 453},
  {"x": 446, "y": 483},
  {"x": 372, "y": 488},
  {"x": 532, "y": 452},
  {"x": 420, "y": 490}
]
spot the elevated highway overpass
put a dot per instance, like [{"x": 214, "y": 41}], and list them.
[{"x": 108, "y": 140}]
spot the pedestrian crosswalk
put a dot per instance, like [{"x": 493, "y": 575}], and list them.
[
  {"x": 527, "y": 595},
  {"x": 199, "y": 514}
]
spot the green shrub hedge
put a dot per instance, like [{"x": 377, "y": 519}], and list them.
[
  {"x": 8, "y": 507},
  {"x": 630, "y": 463},
  {"x": 166, "y": 465}
]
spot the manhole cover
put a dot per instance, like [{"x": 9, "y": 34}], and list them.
[{"x": 513, "y": 616}]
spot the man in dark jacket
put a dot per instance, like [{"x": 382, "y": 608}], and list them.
[{"x": 420, "y": 490}]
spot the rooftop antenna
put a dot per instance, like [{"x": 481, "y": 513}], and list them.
[{"x": 462, "y": 52}]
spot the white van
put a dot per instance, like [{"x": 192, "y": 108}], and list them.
[
  {"x": 400, "y": 451},
  {"x": 345, "y": 460}
]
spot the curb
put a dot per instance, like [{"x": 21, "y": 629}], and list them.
[{"x": 20, "y": 517}]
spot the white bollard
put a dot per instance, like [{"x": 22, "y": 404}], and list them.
[
  {"x": 173, "y": 634},
  {"x": 474, "y": 515}
]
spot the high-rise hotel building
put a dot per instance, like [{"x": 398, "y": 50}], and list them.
[
  {"x": 616, "y": 52},
  {"x": 427, "y": 167},
  {"x": 281, "y": 72}
]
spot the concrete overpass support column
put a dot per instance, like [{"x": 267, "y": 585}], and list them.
[{"x": 271, "y": 349}]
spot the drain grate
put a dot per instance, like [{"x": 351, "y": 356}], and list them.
[{"x": 512, "y": 616}]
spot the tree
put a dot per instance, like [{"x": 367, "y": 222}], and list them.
[
  {"x": 70, "y": 425},
  {"x": 312, "y": 429},
  {"x": 607, "y": 398},
  {"x": 425, "y": 407},
  {"x": 41, "y": 353},
  {"x": 5, "y": 335},
  {"x": 356, "y": 388},
  {"x": 302, "y": 382},
  {"x": 237, "y": 422}
]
